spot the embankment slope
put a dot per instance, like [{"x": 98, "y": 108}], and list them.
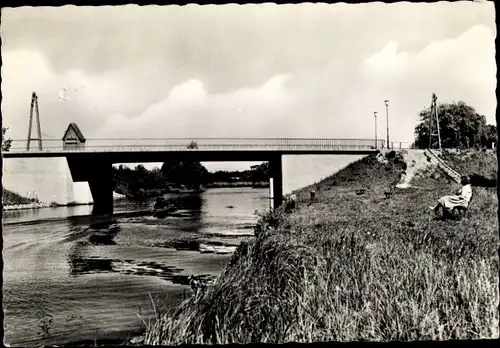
[{"x": 355, "y": 267}]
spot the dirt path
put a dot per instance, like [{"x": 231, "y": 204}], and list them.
[{"x": 417, "y": 161}]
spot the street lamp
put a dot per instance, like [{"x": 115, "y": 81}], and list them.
[
  {"x": 375, "y": 114},
  {"x": 387, "y": 113}
]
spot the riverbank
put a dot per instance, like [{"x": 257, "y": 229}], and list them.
[
  {"x": 355, "y": 265},
  {"x": 12, "y": 198},
  {"x": 151, "y": 193},
  {"x": 35, "y": 205},
  {"x": 13, "y": 201},
  {"x": 221, "y": 184}
]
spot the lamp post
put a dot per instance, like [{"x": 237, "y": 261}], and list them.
[
  {"x": 376, "y": 143},
  {"x": 387, "y": 113}
]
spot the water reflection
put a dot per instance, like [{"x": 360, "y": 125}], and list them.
[
  {"x": 92, "y": 234},
  {"x": 102, "y": 270},
  {"x": 81, "y": 266}
]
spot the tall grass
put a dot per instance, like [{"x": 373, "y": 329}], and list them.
[{"x": 352, "y": 268}]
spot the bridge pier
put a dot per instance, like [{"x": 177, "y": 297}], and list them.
[
  {"x": 101, "y": 185},
  {"x": 276, "y": 172},
  {"x": 98, "y": 172}
]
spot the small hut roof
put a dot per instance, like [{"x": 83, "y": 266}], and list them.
[{"x": 77, "y": 130}]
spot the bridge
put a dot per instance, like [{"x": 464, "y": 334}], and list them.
[{"x": 91, "y": 160}]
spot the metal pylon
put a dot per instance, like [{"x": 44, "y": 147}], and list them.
[
  {"x": 34, "y": 104},
  {"x": 434, "y": 115}
]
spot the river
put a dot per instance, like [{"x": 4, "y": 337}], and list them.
[{"x": 71, "y": 277}]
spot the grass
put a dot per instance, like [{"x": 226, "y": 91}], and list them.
[
  {"x": 351, "y": 267},
  {"x": 465, "y": 162},
  {"x": 12, "y": 198}
]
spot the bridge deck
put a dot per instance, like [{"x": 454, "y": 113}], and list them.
[{"x": 56, "y": 148}]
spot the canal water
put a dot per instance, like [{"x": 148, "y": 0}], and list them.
[{"x": 72, "y": 277}]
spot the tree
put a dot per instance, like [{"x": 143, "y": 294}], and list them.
[
  {"x": 460, "y": 126},
  {"x": 6, "y": 143},
  {"x": 491, "y": 135},
  {"x": 189, "y": 173},
  {"x": 260, "y": 172}
]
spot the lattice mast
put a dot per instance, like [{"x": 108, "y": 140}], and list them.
[
  {"x": 34, "y": 105},
  {"x": 434, "y": 117}
]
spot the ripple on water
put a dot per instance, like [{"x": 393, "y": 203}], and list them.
[{"x": 92, "y": 276}]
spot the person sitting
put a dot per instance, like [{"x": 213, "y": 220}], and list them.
[{"x": 461, "y": 199}]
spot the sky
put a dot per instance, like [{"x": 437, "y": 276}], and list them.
[{"x": 265, "y": 70}]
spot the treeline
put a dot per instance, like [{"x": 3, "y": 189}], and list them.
[
  {"x": 255, "y": 175},
  {"x": 182, "y": 176},
  {"x": 460, "y": 126}
]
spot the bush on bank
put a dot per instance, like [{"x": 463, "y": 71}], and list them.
[
  {"x": 12, "y": 198},
  {"x": 352, "y": 267}
]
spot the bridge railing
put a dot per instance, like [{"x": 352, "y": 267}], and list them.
[
  {"x": 402, "y": 145},
  {"x": 193, "y": 144}
]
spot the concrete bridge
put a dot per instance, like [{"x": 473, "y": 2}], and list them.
[{"x": 91, "y": 160}]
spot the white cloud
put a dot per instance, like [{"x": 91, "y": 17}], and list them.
[
  {"x": 189, "y": 92},
  {"x": 336, "y": 101},
  {"x": 463, "y": 68},
  {"x": 388, "y": 63}
]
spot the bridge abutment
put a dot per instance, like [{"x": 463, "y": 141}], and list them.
[{"x": 276, "y": 172}]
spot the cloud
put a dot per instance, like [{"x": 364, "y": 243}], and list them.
[
  {"x": 188, "y": 111},
  {"x": 462, "y": 68},
  {"x": 306, "y": 79},
  {"x": 388, "y": 63},
  {"x": 333, "y": 103}
]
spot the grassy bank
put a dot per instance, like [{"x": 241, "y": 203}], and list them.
[
  {"x": 354, "y": 267},
  {"x": 12, "y": 198}
]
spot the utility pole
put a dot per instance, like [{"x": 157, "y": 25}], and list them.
[
  {"x": 376, "y": 142},
  {"x": 434, "y": 114},
  {"x": 437, "y": 120},
  {"x": 34, "y": 105},
  {"x": 387, "y": 114}
]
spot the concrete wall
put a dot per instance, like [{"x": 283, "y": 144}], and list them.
[
  {"x": 49, "y": 177},
  {"x": 304, "y": 170}
]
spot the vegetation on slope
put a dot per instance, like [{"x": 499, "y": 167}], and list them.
[
  {"x": 353, "y": 267},
  {"x": 12, "y": 198},
  {"x": 480, "y": 166}
]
